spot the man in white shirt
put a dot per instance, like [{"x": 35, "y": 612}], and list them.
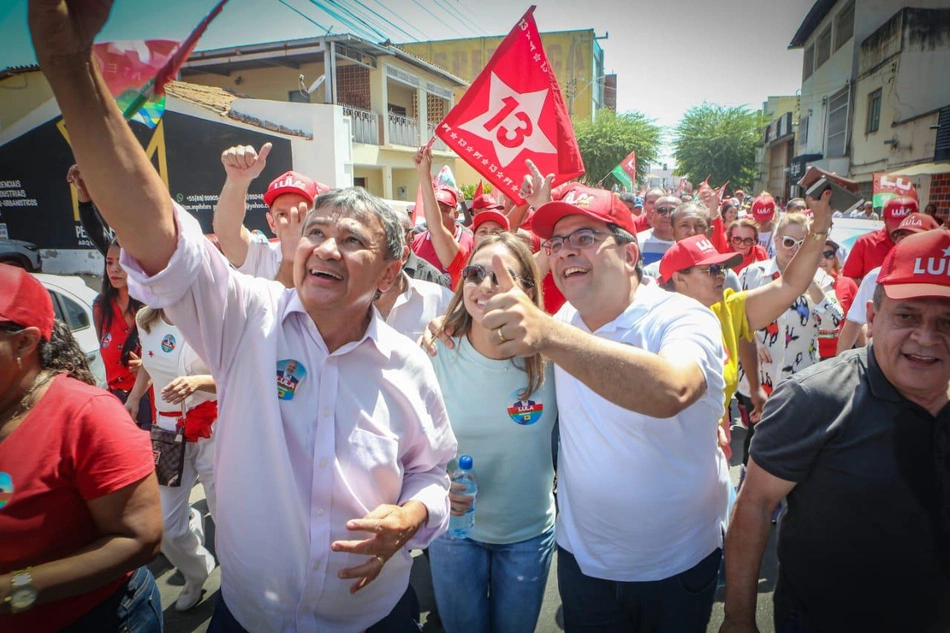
[
  {"x": 321, "y": 492},
  {"x": 288, "y": 198},
  {"x": 642, "y": 485}
]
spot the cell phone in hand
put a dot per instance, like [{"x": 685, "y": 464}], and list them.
[{"x": 841, "y": 199}]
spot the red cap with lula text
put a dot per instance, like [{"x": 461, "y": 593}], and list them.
[
  {"x": 694, "y": 251},
  {"x": 25, "y": 301},
  {"x": 918, "y": 266},
  {"x": 292, "y": 182},
  {"x": 917, "y": 223},
  {"x": 598, "y": 204},
  {"x": 447, "y": 195},
  {"x": 763, "y": 208},
  {"x": 490, "y": 216},
  {"x": 896, "y": 209}
]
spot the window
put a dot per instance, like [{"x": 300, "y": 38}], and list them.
[
  {"x": 823, "y": 47},
  {"x": 803, "y": 131},
  {"x": 874, "y": 112},
  {"x": 844, "y": 26},
  {"x": 76, "y": 317},
  {"x": 809, "y": 62},
  {"x": 837, "y": 125},
  {"x": 57, "y": 309}
]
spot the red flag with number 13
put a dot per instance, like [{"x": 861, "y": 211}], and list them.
[{"x": 514, "y": 111}]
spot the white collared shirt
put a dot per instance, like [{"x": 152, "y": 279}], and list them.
[
  {"x": 643, "y": 498},
  {"x": 421, "y": 302},
  {"x": 263, "y": 258},
  {"x": 362, "y": 426}
]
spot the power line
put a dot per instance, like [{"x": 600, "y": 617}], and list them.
[
  {"x": 352, "y": 14},
  {"x": 471, "y": 17},
  {"x": 306, "y": 17},
  {"x": 357, "y": 30},
  {"x": 437, "y": 19},
  {"x": 396, "y": 15},
  {"x": 449, "y": 10},
  {"x": 386, "y": 20}
]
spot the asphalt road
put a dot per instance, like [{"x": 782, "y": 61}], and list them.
[{"x": 196, "y": 620}]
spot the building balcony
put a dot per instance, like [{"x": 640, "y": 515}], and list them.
[
  {"x": 365, "y": 125},
  {"x": 403, "y": 130},
  {"x": 438, "y": 144}
]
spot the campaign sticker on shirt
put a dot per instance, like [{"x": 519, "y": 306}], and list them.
[
  {"x": 525, "y": 412},
  {"x": 106, "y": 340},
  {"x": 289, "y": 374},
  {"x": 168, "y": 343},
  {"x": 6, "y": 489}
]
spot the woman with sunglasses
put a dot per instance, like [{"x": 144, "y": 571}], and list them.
[
  {"x": 843, "y": 290},
  {"x": 503, "y": 411},
  {"x": 79, "y": 507},
  {"x": 743, "y": 237},
  {"x": 113, "y": 313},
  {"x": 184, "y": 394},
  {"x": 694, "y": 268},
  {"x": 789, "y": 343}
]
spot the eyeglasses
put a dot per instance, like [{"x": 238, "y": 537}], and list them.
[
  {"x": 790, "y": 242},
  {"x": 580, "y": 239},
  {"x": 714, "y": 270},
  {"x": 476, "y": 273},
  {"x": 743, "y": 241},
  {"x": 828, "y": 254},
  {"x": 664, "y": 210}
]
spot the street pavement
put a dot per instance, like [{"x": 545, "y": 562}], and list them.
[{"x": 196, "y": 620}]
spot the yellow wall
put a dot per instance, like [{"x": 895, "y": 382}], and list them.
[
  {"x": 374, "y": 179},
  {"x": 466, "y": 58},
  {"x": 20, "y": 95},
  {"x": 273, "y": 84}
]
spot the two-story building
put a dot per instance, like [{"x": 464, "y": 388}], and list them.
[{"x": 774, "y": 157}]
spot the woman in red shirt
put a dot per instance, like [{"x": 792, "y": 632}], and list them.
[
  {"x": 79, "y": 506},
  {"x": 743, "y": 238},
  {"x": 114, "y": 316},
  {"x": 845, "y": 288}
]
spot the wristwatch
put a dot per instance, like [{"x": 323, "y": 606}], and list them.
[
  {"x": 819, "y": 236},
  {"x": 23, "y": 594}
]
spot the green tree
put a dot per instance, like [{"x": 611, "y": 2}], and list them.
[
  {"x": 720, "y": 142},
  {"x": 610, "y": 137}
]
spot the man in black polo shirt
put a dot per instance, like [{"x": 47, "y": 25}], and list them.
[{"x": 859, "y": 445}]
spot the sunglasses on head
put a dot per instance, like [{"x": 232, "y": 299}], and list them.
[
  {"x": 476, "y": 273},
  {"x": 791, "y": 242},
  {"x": 746, "y": 241}
]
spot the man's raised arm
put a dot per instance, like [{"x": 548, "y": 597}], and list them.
[
  {"x": 242, "y": 164},
  {"x": 128, "y": 191}
]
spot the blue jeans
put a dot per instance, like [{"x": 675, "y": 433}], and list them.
[
  {"x": 135, "y": 607},
  {"x": 480, "y": 587},
  {"x": 402, "y": 619},
  {"x": 678, "y": 604}
]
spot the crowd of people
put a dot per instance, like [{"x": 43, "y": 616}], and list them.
[{"x": 584, "y": 348}]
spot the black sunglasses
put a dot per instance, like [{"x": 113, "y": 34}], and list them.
[
  {"x": 476, "y": 273},
  {"x": 664, "y": 210},
  {"x": 828, "y": 254}
]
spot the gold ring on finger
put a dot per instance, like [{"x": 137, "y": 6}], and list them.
[
  {"x": 382, "y": 561},
  {"x": 501, "y": 335}
]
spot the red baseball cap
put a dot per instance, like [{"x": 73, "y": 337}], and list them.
[
  {"x": 446, "y": 195},
  {"x": 485, "y": 202},
  {"x": 763, "y": 208},
  {"x": 25, "y": 301},
  {"x": 917, "y": 267},
  {"x": 598, "y": 204},
  {"x": 490, "y": 216},
  {"x": 896, "y": 209},
  {"x": 292, "y": 182},
  {"x": 916, "y": 223},
  {"x": 694, "y": 251}
]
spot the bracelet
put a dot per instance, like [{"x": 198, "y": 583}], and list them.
[{"x": 818, "y": 237}]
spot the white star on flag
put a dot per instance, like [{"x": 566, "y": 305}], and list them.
[
  {"x": 946, "y": 252},
  {"x": 529, "y": 103}
]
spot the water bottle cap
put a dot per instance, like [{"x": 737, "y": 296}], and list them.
[{"x": 465, "y": 462}]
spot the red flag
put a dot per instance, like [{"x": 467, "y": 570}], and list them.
[
  {"x": 514, "y": 111},
  {"x": 478, "y": 190},
  {"x": 887, "y": 186},
  {"x": 168, "y": 72},
  {"x": 722, "y": 191},
  {"x": 629, "y": 165}
]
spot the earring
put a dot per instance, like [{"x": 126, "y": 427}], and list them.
[{"x": 19, "y": 363}]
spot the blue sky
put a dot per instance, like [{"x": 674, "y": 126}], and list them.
[{"x": 669, "y": 55}]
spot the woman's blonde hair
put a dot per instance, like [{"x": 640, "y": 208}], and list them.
[
  {"x": 146, "y": 318},
  {"x": 799, "y": 219},
  {"x": 459, "y": 321}
]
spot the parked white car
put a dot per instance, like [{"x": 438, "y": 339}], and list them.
[{"x": 72, "y": 304}]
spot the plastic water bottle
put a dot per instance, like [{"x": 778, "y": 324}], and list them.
[{"x": 461, "y": 526}]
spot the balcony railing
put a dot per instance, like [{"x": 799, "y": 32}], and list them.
[
  {"x": 439, "y": 143},
  {"x": 403, "y": 130},
  {"x": 365, "y": 125}
]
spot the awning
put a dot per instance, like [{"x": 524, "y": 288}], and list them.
[{"x": 923, "y": 169}]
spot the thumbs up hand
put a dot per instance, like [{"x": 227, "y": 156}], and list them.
[{"x": 519, "y": 325}]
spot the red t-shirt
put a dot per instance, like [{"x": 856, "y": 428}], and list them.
[
  {"x": 77, "y": 444},
  {"x": 118, "y": 376},
  {"x": 868, "y": 253},
  {"x": 845, "y": 290},
  {"x": 553, "y": 299},
  {"x": 640, "y": 223},
  {"x": 423, "y": 247}
]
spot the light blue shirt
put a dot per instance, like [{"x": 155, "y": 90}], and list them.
[{"x": 508, "y": 437}]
